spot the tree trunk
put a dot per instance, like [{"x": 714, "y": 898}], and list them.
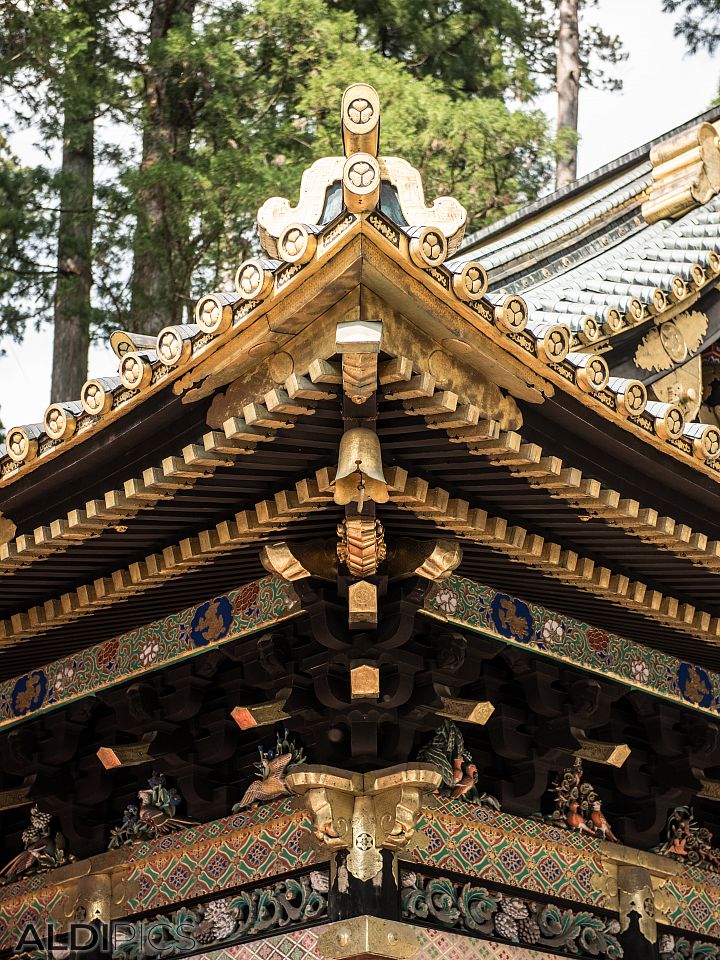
[
  {"x": 75, "y": 228},
  {"x": 159, "y": 287},
  {"x": 568, "y": 86}
]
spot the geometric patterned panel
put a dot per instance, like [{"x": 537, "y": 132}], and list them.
[
  {"x": 698, "y": 893},
  {"x": 434, "y": 945},
  {"x": 240, "y": 849},
  {"x": 204, "y": 859},
  {"x": 555, "y": 635},
  {"x": 462, "y": 838},
  {"x": 477, "y": 841}
]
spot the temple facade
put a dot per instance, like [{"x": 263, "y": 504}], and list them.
[{"x": 374, "y": 614}]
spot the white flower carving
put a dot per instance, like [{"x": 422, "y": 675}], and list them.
[
  {"x": 319, "y": 881},
  {"x": 446, "y": 599},
  {"x": 552, "y": 631},
  {"x": 149, "y": 652},
  {"x": 640, "y": 671},
  {"x": 63, "y": 678}
]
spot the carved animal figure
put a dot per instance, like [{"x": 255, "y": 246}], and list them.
[
  {"x": 211, "y": 626},
  {"x": 466, "y": 782},
  {"x": 695, "y": 689},
  {"x": 158, "y": 805},
  {"x": 598, "y": 820},
  {"x": 272, "y": 768},
  {"x": 161, "y": 818},
  {"x": 41, "y": 850},
  {"x": 271, "y": 785},
  {"x": 27, "y": 697},
  {"x": 575, "y": 819},
  {"x": 447, "y": 752},
  {"x": 510, "y": 620}
]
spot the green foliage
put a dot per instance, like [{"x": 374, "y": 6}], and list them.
[
  {"x": 267, "y": 83},
  {"x": 255, "y": 87},
  {"x": 698, "y": 23},
  {"x": 26, "y": 225}
]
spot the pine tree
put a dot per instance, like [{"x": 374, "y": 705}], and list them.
[
  {"x": 160, "y": 284},
  {"x": 56, "y": 59},
  {"x": 568, "y": 88},
  {"x": 72, "y": 307},
  {"x": 230, "y": 100},
  {"x": 698, "y": 24}
]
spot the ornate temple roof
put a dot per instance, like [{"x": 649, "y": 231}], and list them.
[
  {"x": 540, "y": 374},
  {"x": 535, "y": 526}
]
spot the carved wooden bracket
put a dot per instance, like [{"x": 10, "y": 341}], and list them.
[
  {"x": 7, "y": 529},
  {"x": 358, "y": 341},
  {"x": 93, "y": 889},
  {"x": 633, "y": 880},
  {"x": 365, "y": 813}
]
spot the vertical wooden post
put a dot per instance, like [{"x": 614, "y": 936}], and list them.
[{"x": 636, "y": 899}]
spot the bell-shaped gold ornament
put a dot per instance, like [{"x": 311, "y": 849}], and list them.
[{"x": 360, "y": 474}]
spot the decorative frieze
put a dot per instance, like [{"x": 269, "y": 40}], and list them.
[
  {"x": 484, "y": 911},
  {"x": 217, "y": 621},
  {"x": 241, "y": 914},
  {"x": 530, "y": 625}
]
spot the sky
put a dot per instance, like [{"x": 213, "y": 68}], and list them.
[{"x": 663, "y": 86}]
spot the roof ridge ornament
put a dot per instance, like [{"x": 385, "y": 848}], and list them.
[
  {"x": 686, "y": 173},
  {"x": 368, "y": 182}
]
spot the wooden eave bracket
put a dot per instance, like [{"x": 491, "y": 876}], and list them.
[{"x": 358, "y": 342}]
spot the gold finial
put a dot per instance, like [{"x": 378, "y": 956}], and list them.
[
  {"x": 360, "y": 116},
  {"x": 436, "y": 230}
]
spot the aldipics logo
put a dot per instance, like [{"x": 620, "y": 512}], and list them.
[{"x": 140, "y": 938}]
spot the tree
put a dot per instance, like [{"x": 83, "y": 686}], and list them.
[
  {"x": 230, "y": 100},
  {"x": 568, "y": 88},
  {"x": 52, "y": 57},
  {"x": 160, "y": 284},
  {"x": 699, "y": 22},
  {"x": 72, "y": 309}
]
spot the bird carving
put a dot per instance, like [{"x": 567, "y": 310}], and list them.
[
  {"x": 467, "y": 781},
  {"x": 271, "y": 785},
  {"x": 272, "y": 769},
  {"x": 575, "y": 819},
  {"x": 599, "y": 821},
  {"x": 447, "y": 752},
  {"x": 577, "y": 803},
  {"x": 41, "y": 850},
  {"x": 161, "y": 818}
]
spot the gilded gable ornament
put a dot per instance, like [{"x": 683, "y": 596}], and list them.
[
  {"x": 672, "y": 342},
  {"x": 363, "y": 177}
]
